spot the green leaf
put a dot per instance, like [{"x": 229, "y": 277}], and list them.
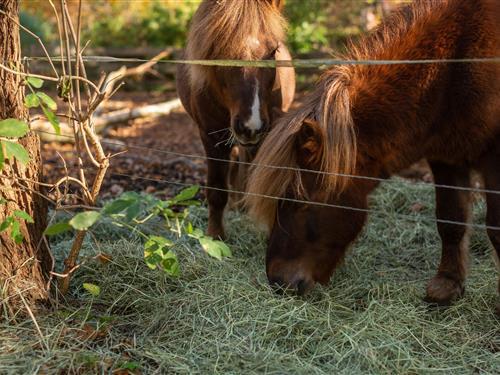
[
  {"x": 6, "y": 223},
  {"x": 34, "y": 82},
  {"x": 15, "y": 233},
  {"x": 195, "y": 233},
  {"x": 155, "y": 242},
  {"x": 54, "y": 121},
  {"x": 131, "y": 366},
  {"x": 187, "y": 194},
  {"x": 153, "y": 258},
  {"x": 23, "y": 215},
  {"x": 214, "y": 248},
  {"x": 157, "y": 253},
  {"x": 93, "y": 289},
  {"x": 170, "y": 264},
  {"x": 168, "y": 213},
  {"x": 31, "y": 101},
  {"x": 17, "y": 151},
  {"x": 58, "y": 228},
  {"x": 190, "y": 202},
  {"x": 49, "y": 102},
  {"x": 84, "y": 220},
  {"x": 13, "y": 128},
  {"x": 117, "y": 206},
  {"x": 133, "y": 211}
]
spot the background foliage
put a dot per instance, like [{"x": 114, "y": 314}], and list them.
[{"x": 316, "y": 26}]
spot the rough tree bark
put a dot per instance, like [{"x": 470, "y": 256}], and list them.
[{"x": 24, "y": 268}]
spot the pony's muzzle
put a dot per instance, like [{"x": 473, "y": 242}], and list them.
[
  {"x": 247, "y": 135},
  {"x": 295, "y": 284}
]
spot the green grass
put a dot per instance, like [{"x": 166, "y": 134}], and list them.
[{"x": 221, "y": 317}]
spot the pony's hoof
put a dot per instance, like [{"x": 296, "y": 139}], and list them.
[{"x": 443, "y": 290}]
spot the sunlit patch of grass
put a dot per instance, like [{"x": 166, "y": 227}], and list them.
[{"x": 221, "y": 316}]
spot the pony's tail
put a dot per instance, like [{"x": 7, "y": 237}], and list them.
[{"x": 338, "y": 161}]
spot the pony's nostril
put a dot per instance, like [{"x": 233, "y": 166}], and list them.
[
  {"x": 239, "y": 127},
  {"x": 279, "y": 285},
  {"x": 302, "y": 287},
  {"x": 276, "y": 282}
]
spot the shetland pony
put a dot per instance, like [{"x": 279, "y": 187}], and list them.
[
  {"x": 374, "y": 120},
  {"x": 230, "y": 103}
]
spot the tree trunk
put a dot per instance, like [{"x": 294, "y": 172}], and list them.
[{"x": 24, "y": 267}]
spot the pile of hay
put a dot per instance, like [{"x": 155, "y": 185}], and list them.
[{"x": 221, "y": 317}]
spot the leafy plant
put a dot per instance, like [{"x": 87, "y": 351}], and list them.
[
  {"x": 131, "y": 210},
  {"x": 13, "y": 223},
  {"x": 40, "y": 99},
  {"x": 10, "y": 130}
]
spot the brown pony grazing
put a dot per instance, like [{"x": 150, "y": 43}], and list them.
[
  {"x": 374, "y": 120},
  {"x": 229, "y": 103}
]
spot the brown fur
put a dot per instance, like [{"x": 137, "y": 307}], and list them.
[
  {"x": 374, "y": 120},
  {"x": 220, "y": 99},
  {"x": 331, "y": 103}
]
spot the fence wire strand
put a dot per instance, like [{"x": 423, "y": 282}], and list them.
[
  {"x": 295, "y": 63},
  {"x": 249, "y": 164},
  {"x": 312, "y": 203}
]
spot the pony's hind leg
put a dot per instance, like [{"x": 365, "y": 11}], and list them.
[
  {"x": 451, "y": 205},
  {"x": 491, "y": 174}
]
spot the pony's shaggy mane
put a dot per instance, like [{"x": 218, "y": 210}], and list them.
[
  {"x": 222, "y": 29},
  {"x": 331, "y": 106},
  {"x": 275, "y": 173}
]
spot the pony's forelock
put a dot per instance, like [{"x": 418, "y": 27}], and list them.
[
  {"x": 222, "y": 30},
  {"x": 274, "y": 170}
]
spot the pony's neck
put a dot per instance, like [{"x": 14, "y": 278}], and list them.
[{"x": 394, "y": 106}]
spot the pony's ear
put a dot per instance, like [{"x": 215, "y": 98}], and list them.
[
  {"x": 277, "y": 3},
  {"x": 309, "y": 144}
]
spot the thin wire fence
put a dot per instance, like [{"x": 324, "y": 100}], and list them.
[
  {"x": 294, "y": 200},
  {"x": 296, "y": 63},
  {"x": 312, "y": 63},
  {"x": 312, "y": 203},
  {"x": 250, "y": 164}
]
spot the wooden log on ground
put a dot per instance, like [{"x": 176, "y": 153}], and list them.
[{"x": 47, "y": 133}]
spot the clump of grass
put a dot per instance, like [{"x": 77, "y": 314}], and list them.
[{"x": 221, "y": 317}]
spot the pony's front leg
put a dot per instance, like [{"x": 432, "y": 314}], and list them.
[
  {"x": 451, "y": 205},
  {"x": 238, "y": 177},
  {"x": 217, "y": 194}
]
